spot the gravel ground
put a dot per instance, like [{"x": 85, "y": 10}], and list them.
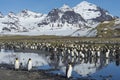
[{"x": 6, "y": 74}]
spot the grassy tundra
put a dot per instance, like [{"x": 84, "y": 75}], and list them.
[{"x": 61, "y": 39}]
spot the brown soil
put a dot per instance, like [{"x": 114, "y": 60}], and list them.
[{"x": 6, "y": 74}]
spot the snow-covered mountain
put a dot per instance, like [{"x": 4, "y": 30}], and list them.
[
  {"x": 64, "y": 21},
  {"x": 22, "y": 22},
  {"x": 91, "y": 11},
  {"x": 64, "y": 17}
]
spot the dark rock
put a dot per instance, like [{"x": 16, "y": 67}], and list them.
[
  {"x": 71, "y": 17},
  {"x": 54, "y": 15},
  {"x": 103, "y": 16}
]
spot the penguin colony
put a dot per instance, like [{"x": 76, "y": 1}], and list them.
[
  {"x": 68, "y": 48},
  {"x": 74, "y": 50}
]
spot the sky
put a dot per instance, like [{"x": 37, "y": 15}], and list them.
[{"x": 44, "y": 6}]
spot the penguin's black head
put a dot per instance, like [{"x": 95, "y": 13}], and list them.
[
  {"x": 16, "y": 58},
  {"x": 70, "y": 63},
  {"x": 29, "y": 58}
]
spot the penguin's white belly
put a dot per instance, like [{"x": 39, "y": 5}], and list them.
[
  {"x": 16, "y": 65},
  {"x": 69, "y": 73},
  {"x": 107, "y": 54},
  {"x": 72, "y": 54},
  {"x": 98, "y": 54},
  {"x": 29, "y": 65}
]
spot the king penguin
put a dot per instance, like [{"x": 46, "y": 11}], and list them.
[
  {"x": 16, "y": 64},
  {"x": 69, "y": 70},
  {"x": 29, "y": 64}
]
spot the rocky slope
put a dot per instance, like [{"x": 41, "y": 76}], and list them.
[{"x": 109, "y": 29}]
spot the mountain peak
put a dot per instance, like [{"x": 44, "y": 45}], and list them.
[
  {"x": 28, "y": 13},
  {"x": 11, "y": 14},
  {"x": 1, "y": 15},
  {"x": 89, "y": 11},
  {"x": 25, "y": 12},
  {"x": 86, "y": 5},
  {"x": 85, "y": 2},
  {"x": 65, "y": 8}
]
